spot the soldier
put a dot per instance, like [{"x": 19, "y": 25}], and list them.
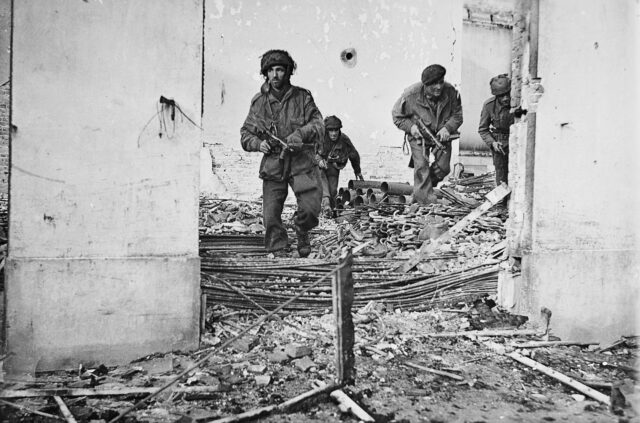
[
  {"x": 436, "y": 104},
  {"x": 285, "y": 125},
  {"x": 333, "y": 153},
  {"x": 495, "y": 120}
]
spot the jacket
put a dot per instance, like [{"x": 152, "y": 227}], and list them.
[
  {"x": 447, "y": 112},
  {"x": 294, "y": 118},
  {"x": 336, "y": 154},
  {"x": 495, "y": 121}
]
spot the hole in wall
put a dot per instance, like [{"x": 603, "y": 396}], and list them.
[{"x": 349, "y": 57}]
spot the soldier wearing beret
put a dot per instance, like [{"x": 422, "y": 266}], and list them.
[
  {"x": 285, "y": 125},
  {"x": 495, "y": 120},
  {"x": 436, "y": 104},
  {"x": 333, "y": 153}
]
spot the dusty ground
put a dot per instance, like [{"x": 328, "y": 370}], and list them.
[{"x": 494, "y": 387}]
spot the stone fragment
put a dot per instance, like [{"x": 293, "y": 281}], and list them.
[
  {"x": 257, "y": 368},
  {"x": 157, "y": 366},
  {"x": 263, "y": 380},
  {"x": 304, "y": 363},
  {"x": 245, "y": 344},
  {"x": 278, "y": 356},
  {"x": 297, "y": 350}
]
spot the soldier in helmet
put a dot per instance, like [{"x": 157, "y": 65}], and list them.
[
  {"x": 436, "y": 104},
  {"x": 285, "y": 125},
  {"x": 333, "y": 153},
  {"x": 495, "y": 120}
]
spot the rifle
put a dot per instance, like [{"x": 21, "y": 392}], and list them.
[{"x": 428, "y": 135}]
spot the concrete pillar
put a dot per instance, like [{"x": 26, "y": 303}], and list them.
[
  {"x": 103, "y": 260},
  {"x": 582, "y": 260}
]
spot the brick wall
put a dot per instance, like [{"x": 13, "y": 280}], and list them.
[
  {"x": 4, "y": 138},
  {"x": 238, "y": 170}
]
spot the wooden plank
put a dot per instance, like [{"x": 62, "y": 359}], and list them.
[
  {"x": 434, "y": 371},
  {"x": 263, "y": 411},
  {"x": 498, "y": 332},
  {"x": 342, "y": 287},
  {"x": 64, "y": 410},
  {"x": 347, "y": 405},
  {"x": 580, "y": 387},
  {"x": 429, "y": 247},
  {"x": 542, "y": 344},
  {"x": 28, "y": 410},
  {"x": 82, "y": 392}
]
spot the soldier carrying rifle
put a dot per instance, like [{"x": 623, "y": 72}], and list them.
[{"x": 430, "y": 113}]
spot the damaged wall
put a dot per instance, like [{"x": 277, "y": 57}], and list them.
[
  {"x": 583, "y": 263},
  {"x": 393, "y": 42},
  {"x": 103, "y": 260},
  {"x": 5, "y": 89}
]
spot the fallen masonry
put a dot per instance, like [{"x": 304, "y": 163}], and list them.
[{"x": 429, "y": 343}]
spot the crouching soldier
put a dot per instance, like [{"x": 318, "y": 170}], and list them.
[
  {"x": 333, "y": 153},
  {"x": 285, "y": 125}
]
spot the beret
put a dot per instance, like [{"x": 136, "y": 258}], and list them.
[
  {"x": 432, "y": 73},
  {"x": 500, "y": 84},
  {"x": 276, "y": 57},
  {"x": 332, "y": 122}
]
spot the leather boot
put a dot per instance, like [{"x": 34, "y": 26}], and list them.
[{"x": 304, "y": 245}]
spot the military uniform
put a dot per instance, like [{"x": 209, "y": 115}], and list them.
[
  {"x": 294, "y": 118},
  {"x": 495, "y": 121},
  {"x": 446, "y": 111},
  {"x": 335, "y": 155}
]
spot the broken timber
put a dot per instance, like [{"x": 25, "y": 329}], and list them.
[
  {"x": 500, "y": 192},
  {"x": 259, "y": 412},
  {"x": 64, "y": 410},
  {"x": 347, "y": 405},
  {"x": 498, "y": 332},
  {"x": 580, "y": 387},
  {"x": 342, "y": 287},
  {"x": 85, "y": 392},
  {"x": 29, "y": 410},
  {"x": 434, "y": 371}
]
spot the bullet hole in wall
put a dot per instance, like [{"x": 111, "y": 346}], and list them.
[{"x": 349, "y": 57}]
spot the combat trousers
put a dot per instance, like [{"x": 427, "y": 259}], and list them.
[
  {"x": 501, "y": 164},
  {"x": 426, "y": 177},
  {"x": 330, "y": 178},
  {"x": 307, "y": 188}
]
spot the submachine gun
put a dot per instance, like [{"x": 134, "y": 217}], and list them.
[
  {"x": 276, "y": 144},
  {"x": 428, "y": 136}
]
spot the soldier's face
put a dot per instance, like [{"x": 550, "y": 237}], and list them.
[
  {"x": 277, "y": 76},
  {"x": 435, "y": 90},
  {"x": 504, "y": 99},
  {"x": 334, "y": 134}
]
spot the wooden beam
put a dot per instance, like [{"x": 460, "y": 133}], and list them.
[
  {"x": 64, "y": 410},
  {"x": 342, "y": 287},
  {"x": 580, "y": 387},
  {"x": 84, "y": 392},
  {"x": 430, "y": 246}
]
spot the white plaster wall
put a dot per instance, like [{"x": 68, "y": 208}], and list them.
[
  {"x": 486, "y": 52},
  {"x": 103, "y": 260},
  {"x": 394, "y": 42},
  {"x": 586, "y": 201},
  {"x": 90, "y": 175}
]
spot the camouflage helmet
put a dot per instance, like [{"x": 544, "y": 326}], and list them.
[
  {"x": 500, "y": 84},
  {"x": 332, "y": 122}
]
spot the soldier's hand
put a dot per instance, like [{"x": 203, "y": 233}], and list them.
[
  {"x": 415, "y": 132},
  {"x": 443, "y": 134},
  {"x": 498, "y": 147},
  {"x": 322, "y": 164},
  {"x": 265, "y": 147},
  {"x": 359, "y": 176}
]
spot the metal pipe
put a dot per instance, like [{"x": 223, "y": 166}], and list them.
[
  {"x": 396, "y": 188},
  {"x": 354, "y": 183}
]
